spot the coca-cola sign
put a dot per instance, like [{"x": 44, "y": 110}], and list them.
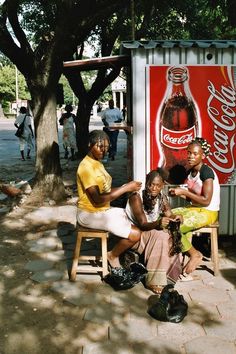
[
  {"x": 177, "y": 139},
  {"x": 204, "y": 106}
]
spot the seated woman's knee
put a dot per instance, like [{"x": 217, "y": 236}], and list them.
[{"x": 135, "y": 234}]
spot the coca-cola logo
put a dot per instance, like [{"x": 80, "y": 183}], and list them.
[
  {"x": 177, "y": 139},
  {"x": 221, "y": 110}
]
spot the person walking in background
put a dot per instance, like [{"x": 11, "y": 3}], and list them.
[
  {"x": 109, "y": 116},
  {"x": 124, "y": 112},
  {"x": 67, "y": 120},
  {"x": 26, "y": 140},
  {"x": 203, "y": 192}
]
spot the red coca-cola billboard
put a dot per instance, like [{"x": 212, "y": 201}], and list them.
[{"x": 189, "y": 101}]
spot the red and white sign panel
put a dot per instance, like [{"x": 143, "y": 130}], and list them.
[{"x": 189, "y": 101}]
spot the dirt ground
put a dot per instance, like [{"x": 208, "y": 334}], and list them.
[
  {"x": 33, "y": 318},
  {"x": 30, "y": 314}
]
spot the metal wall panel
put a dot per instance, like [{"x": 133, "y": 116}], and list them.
[
  {"x": 227, "y": 210},
  {"x": 142, "y": 57}
]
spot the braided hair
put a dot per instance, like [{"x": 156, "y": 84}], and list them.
[
  {"x": 203, "y": 144},
  {"x": 148, "y": 201}
]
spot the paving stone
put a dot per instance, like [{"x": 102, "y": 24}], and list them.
[
  {"x": 225, "y": 329},
  {"x": 44, "y": 244},
  {"x": 197, "y": 311},
  {"x": 69, "y": 289},
  {"x": 179, "y": 333},
  {"x": 133, "y": 331},
  {"x": 89, "y": 334},
  {"x": 108, "y": 347},
  {"x": 209, "y": 345},
  {"x": 47, "y": 276},
  {"x": 227, "y": 309},
  {"x": 157, "y": 346},
  {"x": 209, "y": 294},
  {"x": 106, "y": 313},
  {"x": 232, "y": 294},
  {"x": 39, "y": 265},
  {"x": 89, "y": 279},
  {"x": 219, "y": 283},
  {"x": 87, "y": 299},
  {"x": 77, "y": 293},
  {"x": 55, "y": 256}
]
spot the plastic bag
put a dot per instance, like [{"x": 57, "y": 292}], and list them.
[
  {"x": 170, "y": 307},
  {"x": 123, "y": 279}
]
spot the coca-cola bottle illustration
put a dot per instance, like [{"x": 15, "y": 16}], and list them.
[{"x": 178, "y": 123}]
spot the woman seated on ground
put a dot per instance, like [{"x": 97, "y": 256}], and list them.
[
  {"x": 151, "y": 212},
  {"x": 95, "y": 194},
  {"x": 204, "y": 194}
]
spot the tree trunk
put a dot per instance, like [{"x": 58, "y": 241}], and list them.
[
  {"x": 48, "y": 177},
  {"x": 82, "y": 128}
]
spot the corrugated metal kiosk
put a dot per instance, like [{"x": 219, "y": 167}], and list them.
[{"x": 205, "y": 61}]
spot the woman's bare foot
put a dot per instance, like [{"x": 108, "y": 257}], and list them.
[
  {"x": 194, "y": 261},
  {"x": 156, "y": 289},
  {"x": 113, "y": 261}
]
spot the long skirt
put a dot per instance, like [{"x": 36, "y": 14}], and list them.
[
  {"x": 194, "y": 218},
  {"x": 155, "y": 246}
]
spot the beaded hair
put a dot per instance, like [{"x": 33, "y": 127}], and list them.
[{"x": 203, "y": 143}]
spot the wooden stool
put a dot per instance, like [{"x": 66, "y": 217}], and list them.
[
  {"x": 213, "y": 231},
  {"x": 89, "y": 233}
]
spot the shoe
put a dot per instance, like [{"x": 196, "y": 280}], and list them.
[
  {"x": 22, "y": 159},
  {"x": 28, "y": 158},
  {"x": 113, "y": 158}
]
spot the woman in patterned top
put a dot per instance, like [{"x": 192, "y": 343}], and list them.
[{"x": 203, "y": 192}]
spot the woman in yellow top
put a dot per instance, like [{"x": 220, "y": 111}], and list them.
[{"x": 95, "y": 194}]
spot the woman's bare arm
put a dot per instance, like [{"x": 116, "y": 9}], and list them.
[
  {"x": 98, "y": 198},
  {"x": 204, "y": 199}
]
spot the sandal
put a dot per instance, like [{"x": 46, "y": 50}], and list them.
[
  {"x": 189, "y": 277},
  {"x": 156, "y": 289}
]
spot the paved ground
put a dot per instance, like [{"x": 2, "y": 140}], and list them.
[{"x": 117, "y": 322}]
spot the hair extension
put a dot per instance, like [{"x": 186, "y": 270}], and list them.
[
  {"x": 173, "y": 229},
  {"x": 203, "y": 143}
]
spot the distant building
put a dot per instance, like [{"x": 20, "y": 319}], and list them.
[{"x": 119, "y": 92}]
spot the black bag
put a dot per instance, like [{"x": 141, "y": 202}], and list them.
[
  {"x": 123, "y": 279},
  {"x": 20, "y": 129},
  {"x": 170, "y": 307}
]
